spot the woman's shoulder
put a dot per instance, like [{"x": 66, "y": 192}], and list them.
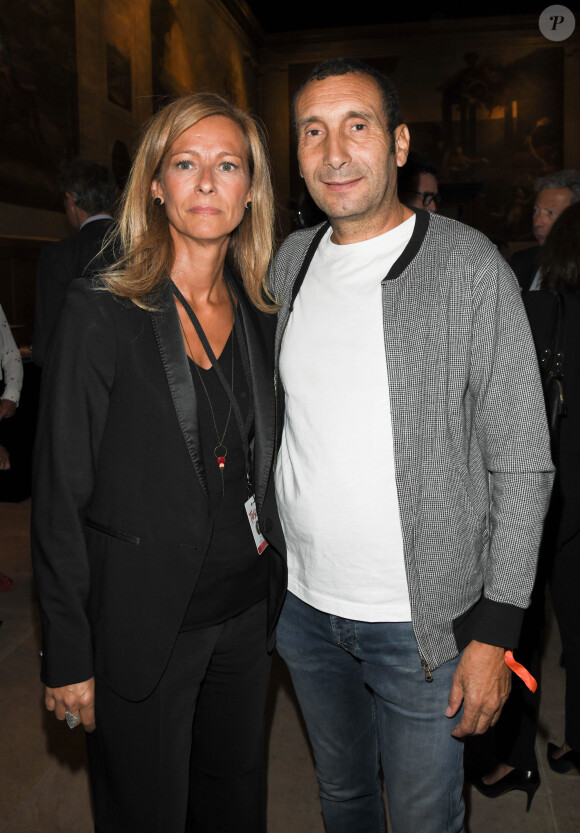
[
  {"x": 538, "y": 298},
  {"x": 543, "y": 302},
  {"x": 540, "y": 307},
  {"x": 91, "y": 296},
  {"x": 92, "y": 316},
  {"x": 542, "y": 310}
]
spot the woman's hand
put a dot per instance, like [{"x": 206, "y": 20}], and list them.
[{"x": 77, "y": 699}]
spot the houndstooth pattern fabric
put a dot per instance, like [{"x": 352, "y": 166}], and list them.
[{"x": 471, "y": 446}]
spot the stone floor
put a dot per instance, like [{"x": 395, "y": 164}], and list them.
[{"x": 43, "y": 782}]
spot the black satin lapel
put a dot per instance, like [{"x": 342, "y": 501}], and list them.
[
  {"x": 260, "y": 340},
  {"x": 174, "y": 358}
]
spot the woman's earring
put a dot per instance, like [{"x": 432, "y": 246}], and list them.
[
  {"x": 249, "y": 204},
  {"x": 158, "y": 201}
]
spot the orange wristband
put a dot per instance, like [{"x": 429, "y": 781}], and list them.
[{"x": 522, "y": 672}]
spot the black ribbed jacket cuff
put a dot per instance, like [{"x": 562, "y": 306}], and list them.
[{"x": 494, "y": 623}]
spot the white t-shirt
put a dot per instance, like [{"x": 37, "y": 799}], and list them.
[{"x": 335, "y": 477}]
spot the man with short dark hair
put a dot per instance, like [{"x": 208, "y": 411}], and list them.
[
  {"x": 417, "y": 183},
  {"x": 554, "y": 193},
  {"x": 413, "y": 472},
  {"x": 89, "y": 191}
]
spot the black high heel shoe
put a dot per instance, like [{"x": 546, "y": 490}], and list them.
[
  {"x": 527, "y": 780},
  {"x": 565, "y": 762}
]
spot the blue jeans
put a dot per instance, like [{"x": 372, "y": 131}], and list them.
[{"x": 366, "y": 703}]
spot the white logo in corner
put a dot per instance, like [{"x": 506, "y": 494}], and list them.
[{"x": 557, "y": 23}]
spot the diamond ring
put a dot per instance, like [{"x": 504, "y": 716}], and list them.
[{"x": 71, "y": 719}]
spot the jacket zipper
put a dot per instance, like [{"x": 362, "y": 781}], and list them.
[{"x": 428, "y": 675}]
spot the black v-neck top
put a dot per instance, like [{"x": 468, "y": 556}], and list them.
[{"x": 233, "y": 576}]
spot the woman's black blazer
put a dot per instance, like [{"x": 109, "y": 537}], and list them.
[{"x": 121, "y": 517}]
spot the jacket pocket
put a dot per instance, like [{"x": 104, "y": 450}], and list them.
[{"x": 112, "y": 533}]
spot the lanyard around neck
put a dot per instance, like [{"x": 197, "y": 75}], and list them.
[{"x": 243, "y": 426}]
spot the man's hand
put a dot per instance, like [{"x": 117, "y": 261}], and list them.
[
  {"x": 76, "y": 699},
  {"x": 482, "y": 682},
  {"x": 7, "y": 408}
]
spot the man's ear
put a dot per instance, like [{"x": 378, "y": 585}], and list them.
[{"x": 402, "y": 143}]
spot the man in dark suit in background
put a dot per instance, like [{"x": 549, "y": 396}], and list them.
[
  {"x": 554, "y": 193},
  {"x": 417, "y": 183},
  {"x": 89, "y": 194}
]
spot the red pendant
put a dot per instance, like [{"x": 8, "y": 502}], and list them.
[{"x": 221, "y": 461}]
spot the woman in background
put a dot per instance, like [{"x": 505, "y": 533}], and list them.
[
  {"x": 560, "y": 268},
  {"x": 559, "y": 563},
  {"x": 158, "y": 594}
]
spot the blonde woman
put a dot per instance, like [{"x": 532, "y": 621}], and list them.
[{"x": 158, "y": 593}]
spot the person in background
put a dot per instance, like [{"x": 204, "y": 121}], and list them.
[
  {"x": 11, "y": 372},
  {"x": 158, "y": 594},
  {"x": 560, "y": 267},
  {"x": 11, "y": 376},
  {"x": 417, "y": 183},
  {"x": 554, "y": 193},
  {"x": 515, "y": 734},
  {"x": 89, "y": 193}
]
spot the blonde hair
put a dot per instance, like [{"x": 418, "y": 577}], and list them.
[{"x": 143, "y": 238}]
